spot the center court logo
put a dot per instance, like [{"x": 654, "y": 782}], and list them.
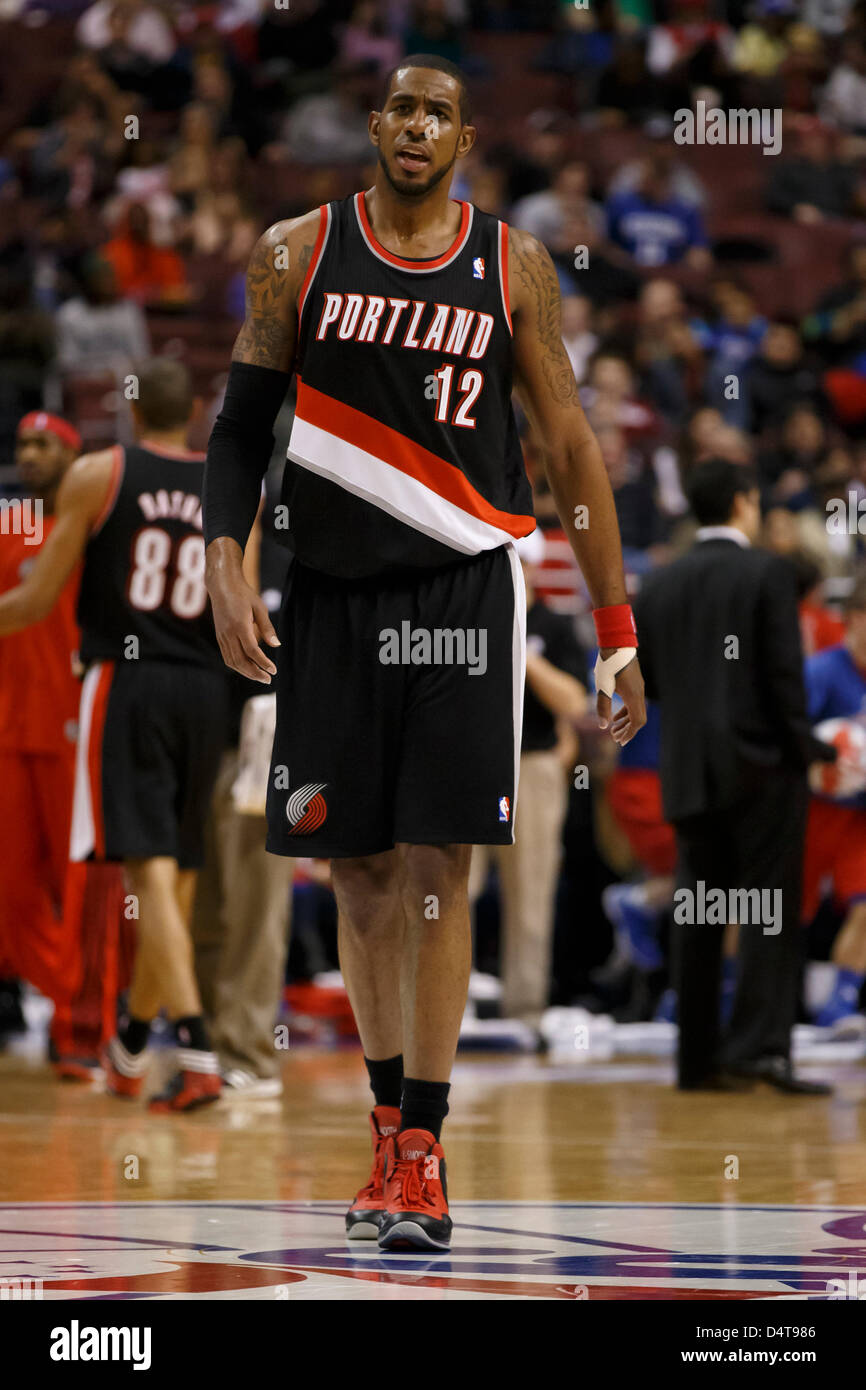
[
  {"x": 550, "y": 1250},
  {"x": 306, "y": 808}
]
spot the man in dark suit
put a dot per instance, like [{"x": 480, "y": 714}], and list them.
[{"x": 720, "y": 651}]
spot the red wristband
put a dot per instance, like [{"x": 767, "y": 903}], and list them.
[{"x": 614, "y": 626}]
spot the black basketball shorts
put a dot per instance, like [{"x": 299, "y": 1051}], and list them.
[
  {"x": 150, "y": 737},
  {"x": 399, "y": 709}
]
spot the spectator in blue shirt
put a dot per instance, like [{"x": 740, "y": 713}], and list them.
[
  {"x": 730, "y": 341},
  {"x": 835, "y": 849},
  {"x": 653, "y": 225}
]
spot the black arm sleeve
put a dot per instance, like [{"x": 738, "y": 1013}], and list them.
[{"x": 239, "y": 450}]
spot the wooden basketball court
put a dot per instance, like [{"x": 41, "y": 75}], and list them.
[{"x": 591, "y": 1181}]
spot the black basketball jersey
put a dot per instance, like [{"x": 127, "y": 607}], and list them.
[
  {"x": 404, "y": 449},
  {"x": 143, "y": 575}
]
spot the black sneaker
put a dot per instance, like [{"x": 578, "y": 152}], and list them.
[{"x": 12, "y": 1018}]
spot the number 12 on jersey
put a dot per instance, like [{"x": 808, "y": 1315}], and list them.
[{"x": 468, "y": 386}]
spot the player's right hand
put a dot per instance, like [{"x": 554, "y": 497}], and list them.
[
  {"x": 242, "y": 624},
  {"x": 631, "y": 715}
]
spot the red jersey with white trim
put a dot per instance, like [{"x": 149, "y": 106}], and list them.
[
  {"x": 38, "y": 688},
  {"x": 143, "y": 594},
  {"x": 404, "y": 450}
]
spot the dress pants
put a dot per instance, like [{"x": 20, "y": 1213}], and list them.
[
  {"x": 240, "y": 930},
  {"x": 756, "y": 843},
  {"x": 528, "y": 874}
]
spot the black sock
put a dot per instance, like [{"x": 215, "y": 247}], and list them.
[
  {"x": 134, "y": 1033},
  {"x": 424, "y": 1105},
  {"x": 386, "y": 1079},
  {"x": 191, "y": 1032}
]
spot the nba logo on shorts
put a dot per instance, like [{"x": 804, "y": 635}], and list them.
[
  {"x": 478, "y": 270},
  {"x": 504, "y": 808}
]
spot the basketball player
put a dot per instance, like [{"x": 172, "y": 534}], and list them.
[
  {"x": 404, "y": 316},
  {"x": 836, "y": 830},
  {"x": 153, "y": 704},
  {"x": 38, "y": 709}
]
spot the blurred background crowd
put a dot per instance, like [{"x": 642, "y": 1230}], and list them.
[{"x": 714, "y": 296}]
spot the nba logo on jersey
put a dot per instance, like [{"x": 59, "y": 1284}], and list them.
[
  {"x": 478, "y": 268},
  {"x": 504, "y": 808}
]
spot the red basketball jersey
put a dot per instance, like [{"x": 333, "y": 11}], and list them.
[{"x": 38, "y": 690}]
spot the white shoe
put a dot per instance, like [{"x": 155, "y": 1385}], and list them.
[
  {"x": 851, "y": 1025},
  {"x": 244, "y": 1085}
]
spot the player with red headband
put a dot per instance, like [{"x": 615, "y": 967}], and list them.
[{"x": 38, "y": 713}]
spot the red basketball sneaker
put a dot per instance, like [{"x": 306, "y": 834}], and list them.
[
  {"x": 365, "y": 1214},
  {"x": 124, "y": 1071},
  {"x": 416, "y": 1196},
  {"x": 197, "y": 1083}
]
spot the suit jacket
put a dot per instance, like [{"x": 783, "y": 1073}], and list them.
[{"x": 720, "y": 651}]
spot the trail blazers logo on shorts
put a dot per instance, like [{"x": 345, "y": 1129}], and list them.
[{"x": 306, "y": 808}]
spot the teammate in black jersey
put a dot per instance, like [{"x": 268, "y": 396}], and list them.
[
  {"x": 153, "y": 705},
  {"x": 406, "y": 317}
]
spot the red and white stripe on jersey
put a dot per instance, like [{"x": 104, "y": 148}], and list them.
[
  {"x": 118, "y": 463},
  {"x": 316, "y": 259},
  {"x": 414, "y": 267},
  {"x": 503, "y": 274},
  {"x": 384, "y": 467},
  {"x": 88, "y": 826},
  {"x": 518, "y": 667}
]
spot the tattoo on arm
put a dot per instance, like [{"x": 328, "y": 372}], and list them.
[
  {"x": 267, "y": 338},
  {"x": 540, "y": 287}
]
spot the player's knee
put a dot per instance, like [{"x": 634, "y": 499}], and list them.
[
  {"x": 365, "y": 888},
  {"x": 442, "y": 870},
  {"x": 150, "y": 874}
]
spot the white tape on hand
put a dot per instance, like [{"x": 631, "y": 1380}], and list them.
[{"x": 607, "y": 670}]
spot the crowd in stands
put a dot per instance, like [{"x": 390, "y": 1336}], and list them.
[{"x": 714, "y": 297}]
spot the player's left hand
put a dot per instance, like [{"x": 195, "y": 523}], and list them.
[{"x": 631, "y": 716}]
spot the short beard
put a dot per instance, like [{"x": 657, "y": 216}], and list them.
[{"x": 416, "y": 190}]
